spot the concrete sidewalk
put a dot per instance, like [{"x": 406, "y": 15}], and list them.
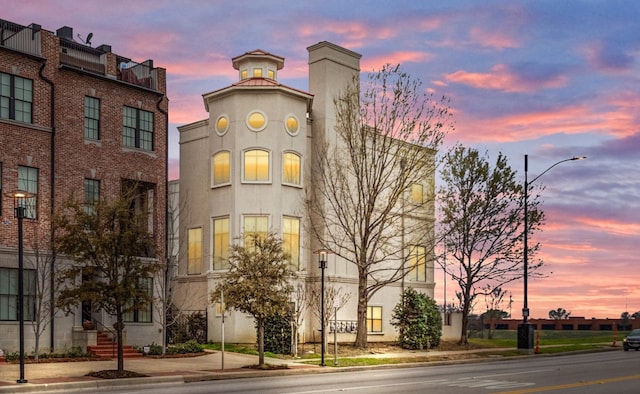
[{"x": 64, "y": 376}]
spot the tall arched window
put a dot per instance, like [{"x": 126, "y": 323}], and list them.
[
  {"x": 291, "y": 168},
  {"x": 221, "y": 168},
  {"x": 256, "y": 165}
]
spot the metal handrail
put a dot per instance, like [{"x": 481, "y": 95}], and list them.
[{"x": 113, "y": 333}]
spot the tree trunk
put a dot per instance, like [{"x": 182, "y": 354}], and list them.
[
  {"x": 294, "y": 339},
  {"x": 119, "y": 326},
  {"x": 361, "y": 333},
  {"x": 37, "y": 344},
  {"x": 260, "y": 342},
  {"x": 464, "y": 340}
]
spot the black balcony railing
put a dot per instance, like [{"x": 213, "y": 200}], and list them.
[{"x": 344, "y": 326}]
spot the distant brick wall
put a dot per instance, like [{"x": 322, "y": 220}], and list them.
[{"x": 571, "y": 324}]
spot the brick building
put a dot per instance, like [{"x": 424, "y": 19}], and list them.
[{"x": 81, "y": 121}]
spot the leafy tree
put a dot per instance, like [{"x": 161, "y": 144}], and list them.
[
  {"x": 559, "y": 314},
  {"x": 418, "y": 320},
  {"x": 257, "y": 282},
  {"x": 106, "y": 244},
  {"x": 636, "y": 315},
  {"x": 384, "y": 144},
  {"x": 481, "y": 224}
]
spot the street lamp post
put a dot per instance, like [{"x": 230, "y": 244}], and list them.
[
  {"x": 19, "y": 211},
  {"x": 525, "y": 329},
  {"x": 323, "y": 265}
]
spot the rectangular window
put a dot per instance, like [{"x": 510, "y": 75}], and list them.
[
  {"x": 9, "y": 294},
  {"x": 291, "y": 168},
  {"x": 257, "y": 72},
  {"x": 137, "y": 128},
  {"x": 271, "y": 74},
  {"x": 28, "y": 182},
  {"x": 220, "y": 243},
  {"x": 417, "y": 193},
  {"x": 91, "y": 118},
  {"x": 194, "y": 253},
  {"x": 142, "y": 314},
  {"x": 221, "y": 168},
  {"x": 255, "y": 227},
  {"x": 374, "y": 319},
  {"x": 16, "y": 98},
  {"x": 291, "y": 240},
  {"x": 417, "y": 263},
  {"x": 91, "y": 194}
]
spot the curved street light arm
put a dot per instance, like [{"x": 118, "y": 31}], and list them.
[{"x": 561, "y": 161}]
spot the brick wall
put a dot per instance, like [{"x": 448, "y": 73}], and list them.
[{"x": 74, "y": 157}]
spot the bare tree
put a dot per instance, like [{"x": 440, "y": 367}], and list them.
[
  {"x": 481, "y": 224},
  {"x": 493, "y": 298},
  {"x": 168, "y": 314},
  {"x": 297, "y": 316},
  {"x": 384, "y": 144},
  {"x": 334, "y": 300},
  {"x": 41, "y": 262}
]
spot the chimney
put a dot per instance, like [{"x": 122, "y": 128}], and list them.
[
  {"x": 104, "y": 48},
  {"x": 65, "y": 32}
]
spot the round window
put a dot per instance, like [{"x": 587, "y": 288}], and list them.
[
  {"x": 256, "y": 121},
  {"x": 292, "y": 125},
  {"x": 222, "y": 124}
]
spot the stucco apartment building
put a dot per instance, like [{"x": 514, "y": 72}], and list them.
[
  {"x": 74, "y": 120},
  {"x": 247, "y": 168}
]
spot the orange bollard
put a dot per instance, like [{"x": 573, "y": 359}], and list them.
[
  {"x": 615, "y": 334},
  {"x": 537, "y": 350}
]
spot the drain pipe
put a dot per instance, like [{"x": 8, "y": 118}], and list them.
[
  {"x": 166, "y": 272},
  {"x": 52, "y": 205}
]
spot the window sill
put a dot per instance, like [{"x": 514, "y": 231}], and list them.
[{"x": 138, "y": 150}]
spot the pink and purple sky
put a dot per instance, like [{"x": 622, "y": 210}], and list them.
[{"x": 551, "y": 79}]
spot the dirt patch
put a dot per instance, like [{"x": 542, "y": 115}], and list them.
[
  {"x": 348, "y": 350},
  {"x": 183, "y": 355},
  {"x": 267, "y": 367},
  {"x": 115, "y": 374}
]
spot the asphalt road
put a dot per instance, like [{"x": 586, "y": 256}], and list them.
[{"x": 606, "y": 372}]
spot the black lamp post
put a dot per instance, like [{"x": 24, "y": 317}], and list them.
[
  {"x": 525, "y": 330},
  {"x": 323, "y": 265},
  {"x": 20, "y": 211}
]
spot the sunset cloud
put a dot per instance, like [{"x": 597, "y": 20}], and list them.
[
  {"x": 492, "y": 38},
  {"x": 503, "y": 78},
  {"x": 550, "y": 79}
]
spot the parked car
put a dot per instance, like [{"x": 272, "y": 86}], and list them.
[{"x": 632, "y": 341}]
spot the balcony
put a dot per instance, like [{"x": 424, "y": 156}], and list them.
[
  {"x": 82, "y": 57},
  {"x": 95, "y": 60},
  {"x": 141, "y": 74},
  {"x": 26, "y": 39}
]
